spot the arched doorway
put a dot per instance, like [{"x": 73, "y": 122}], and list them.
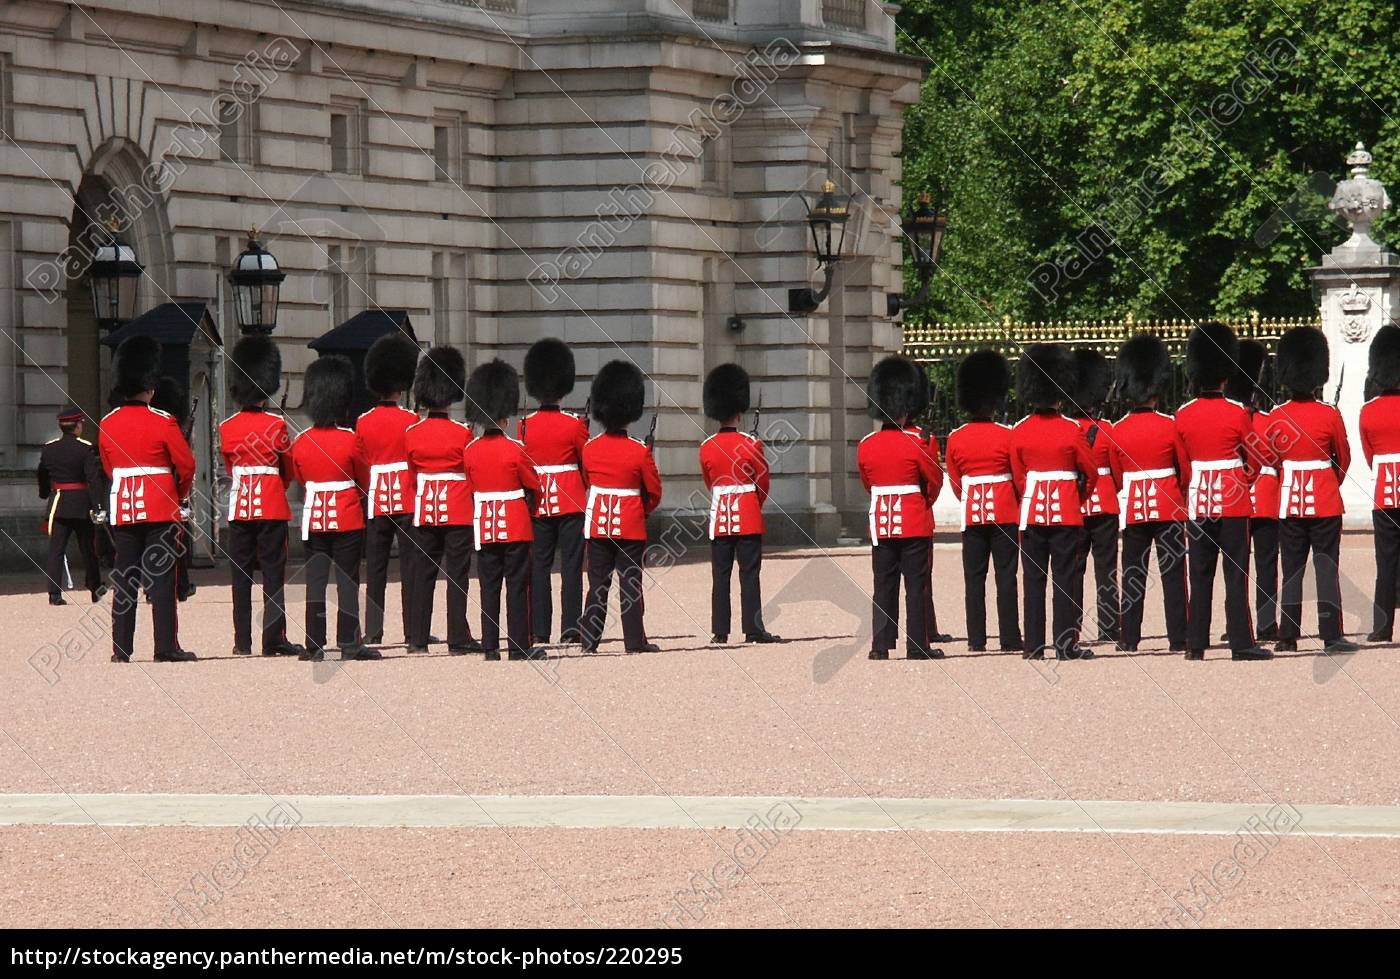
[{"x": 115, "y": 187}]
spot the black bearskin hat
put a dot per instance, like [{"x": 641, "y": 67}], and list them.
[
  {"x": 493, "y": 392},
  {"x": 549, "y": 370},
  {"x": 618, "y": 394},
  {"x": 726, "y": 392},
  {"x": 1302, "y": 360},
  {"x": 1384, "y": 374},
  {"x": 1212, "y": 354},
  {"x": 137, "y": 366},
  {"x": 170, "y": 398},
  {"x": 984, "y": 377},
  {"x": 1243, "y": 385},
  {"x": 330, "y": 390},
  {"x": 1091, "y": 381},
  {"x": 254, "y": 370},
  {"x": 896, "y": 390},
  {"x": 390, "y": 364},
  {"x": 441, "y": 378},
  {"x": 1045, "y": 374},
  {"x": 1144, "y": 368}
]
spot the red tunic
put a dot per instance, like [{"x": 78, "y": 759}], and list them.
[
  {"x": 1048, "y": 456},
  {"x": 380, "y": 432},
  {"x": 623, "y": 486},
  {"x": 1307, "y": 441},
  {"x": 1103, "y": 497},
  {"x": 434, "y": 446},
  {"x": 1150, "y": 467},
  {"x": 1216, "y": 432},
  {"x": 254, "y": 444},
  {"x": 149, "y": 463},
  {"x": 735, "y": 469},
  {"x": 333, "y": 473},
  {"x": 554, "y": 441},
  {"x": 904, "y": 478},
  {"x": 979, "y": 468},
  {"x": 1380, "y": 440},
  {"x": 1263, "y": 488},
  {"x": 499, "y": 474}
]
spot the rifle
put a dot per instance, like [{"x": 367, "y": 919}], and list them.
[
  {"x": 651, "y": 432},
  {"x": 188, "y": 428},
  {"x": 588, "y": 415},
  {"x": 1341, "y": 378},
  {"x": 757, "y": 414}
]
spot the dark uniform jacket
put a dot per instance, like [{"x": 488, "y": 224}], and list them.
[{"x": 70, "y": 478}]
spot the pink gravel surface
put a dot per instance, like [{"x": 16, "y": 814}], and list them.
[
  {"x": 85, "y": 876},
  {"x": 812, "y": 717}
]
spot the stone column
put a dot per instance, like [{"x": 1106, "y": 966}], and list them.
[{"x": 1358, "y": 289}]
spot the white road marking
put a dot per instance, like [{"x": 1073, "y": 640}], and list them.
[{"x": 686, "y": 812}]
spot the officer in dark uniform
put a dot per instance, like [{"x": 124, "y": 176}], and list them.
[{"x": 70, "y": 478}]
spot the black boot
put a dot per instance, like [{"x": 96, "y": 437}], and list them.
[
  {"x": 176, "y": 656},
  {"x": 1255, "y": 652},
  {"x": 1341, "y": 645},
  {"x": 761, "y": 637},
  {"x": 56, "y": 599},
  {"x": 359, "y": 651}
]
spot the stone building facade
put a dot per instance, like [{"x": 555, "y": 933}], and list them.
[{"x": 625, "y": 174}]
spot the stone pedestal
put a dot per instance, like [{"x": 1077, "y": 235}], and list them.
[{"x": 1357, "y": 287}]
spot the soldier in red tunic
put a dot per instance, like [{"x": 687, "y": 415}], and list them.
[
  {"x": 979, "y": 469},
  {"x": 171, "y": 398},
  {"x": 442, "y": 504},
  {"x": 389, "y": 367},
  {"x": 503, "y": 485},
  {"x": 1150, "y": 470},
  {"x": 1100, "y": 537},
  {"x": 151, "y": 471},
  {"x": 623, "y": 488},
  {"x": 1216, "y": 432},
  {"x": 903, "y": 479},
  {"x": 256, "y": 444},
  {"x": 327, "y": 463},
  {"x": 554, "y": 440},
  {"x": 1307, "y": 442},
  {"x": 70, "y": 479},
  {"x": 735, "y": 469},
  {"x": 1380, "y": 440},
  {"x": 915, "y": 427},
  {"x": 1246, "y": 387},
  {"x": 1050, "y": 459}
]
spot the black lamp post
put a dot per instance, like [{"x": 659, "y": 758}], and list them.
[
  {"x": 112, "y": 279},
  {"x": 923, "y": 227},
  {"x": 827, "y": 221},
  {"x": 257, "y": 284}
]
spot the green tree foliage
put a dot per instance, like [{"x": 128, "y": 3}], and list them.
[{"x": 1168, "y": 157}]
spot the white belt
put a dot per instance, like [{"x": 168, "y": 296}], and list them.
[
  {"x": 240, "y": 476},
  {"x": 1271, "y": 471},
  {"x": 879, "y": 492},
  {"x": 375, "y": 472},
  {"x": 1199, "y": 466},
  {"x": 314, "y": 490},
  {"x": 1291, "y": 466},
  {"x": 479, "y": 499},
  {"x": 729, "y": 489},
  {"x": 555, "y": 470},
  {"x": 968, "y": 481},
  {"x": 1033, "y": 479},
  {"x": 129, "y": 472},
  {"x": 1105, "y": 471},
  {"x": 596, "y": 491},
  {"x": 423, "y": 480},
  {"x": 1384, "y": 458},
  {"x": 1137, "y": 476}
]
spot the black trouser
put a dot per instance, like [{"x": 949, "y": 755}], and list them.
[
  {"x": 258, "y": 544},
  {"x": 446, "y": 550},
  {"x": 1170, "y": 538},
  {"x": 146, "y": 557},
  {"x": 339, "y": 551},
  {"x": 379, "y": 541},
  {"x": 1209, "y": 540},
  {"x": 1387, "y": 538},
  {"x": 999, "y": 543},
  {"x": 1263, "y": 538},
  {"x": 509, "y": 563},
  {"x": 1323, "y": 537},
  {"x": 1100, "y": 538},
  {"x": 1050, "y": 553},
  {"x": 604, "y": 555},
  {"x": 565, "y": 533},
  {"x": 62, "y": 529},
  {"x": 184, "y": 587},
  {"x": 890, "y": 560},
  {"x": 748, "y": 549}
]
